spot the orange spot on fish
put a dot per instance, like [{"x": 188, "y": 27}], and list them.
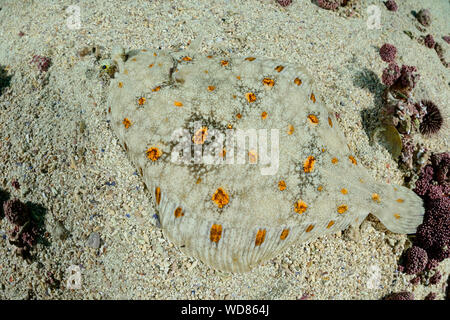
[
  {"x": 376, "y": 197},
  {"x": 215, "y": 233},
  {"x": 290, "y": 129},
  {"x": 313, "y": 119},
  {"x": 126, "y": 122},
  {"x": 268, "y": 82},
  {"x": 342, "y": 208},
  {"x": 300, "y": 207},
  {"x": 178, "y": 212},
  {"x": 141, "y": 101},
  {"x": 158, "y": 195},
  {"x": 284, "y": 234},
  {"x": 353, "y": 160},
  {"x": 153, "y": 153},
  {"x": 308, "y": 165},
  {"x": 250, "y": 96},
  {"x": 252, "y": 156},
  {"x": 200, "y": 136},
  {"x": 260, "y": 236},
  {"x": 220, "y": 197}
]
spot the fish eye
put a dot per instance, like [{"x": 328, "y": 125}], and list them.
[{"x": 104, "y": 66}]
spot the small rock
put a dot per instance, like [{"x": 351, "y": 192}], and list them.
[
  {"x": 391, "y": 5},
  {"x": 60, "y": 232},
  {"x": 90, "y": 73},
  {"x": 85, "y": 51},
  {"x": 391, "y": 242},
  {"x": 424, "y": 17},
  {"x": 398, "y": 246},
  {"x": 352, "y": 233},
  {"x": 82, "y": 126},
  {"x": 93, "y": 240}
]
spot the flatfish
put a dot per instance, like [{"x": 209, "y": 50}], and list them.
[{"x": 242, "y": 156}]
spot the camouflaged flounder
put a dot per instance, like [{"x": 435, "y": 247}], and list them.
[{"x": 232, "y": 216}]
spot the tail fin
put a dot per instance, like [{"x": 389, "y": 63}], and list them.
[{"x": 398, "y": 208}]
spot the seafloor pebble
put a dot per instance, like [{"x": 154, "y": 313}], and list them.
[{"x": 94, "y": 240}]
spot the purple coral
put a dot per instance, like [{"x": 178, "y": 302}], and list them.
[
  {"x": 435, "y": 193},
  {"x": 284, "y": 3},
  {"x": 408, "y": 150},
  {"x": 432, "y": 264},
  {"x": 436, "y": 278},
  {"x": 446, "y": 39},
  {"x": 388, "y": 52},
  {"x": 433, "y": 186},
  {"x": 42, "y": 63},
  {"x": 391, "y": 5},
  {"x": 404, "y": 295},
  {"x": 424, "y": 17},
  {"x": 434, "y": 174},
  {"x": 415, "y": 281},
  {"x": 439, "y": 51},
  {"x": 408, "y": 78},
  {"x": 25, "y": 230},
  {"x": 432, "y": 121},
  {"x": 24, "y": 237},
  {"x": 416, "y": 260},
  {"x": 431, "y": 296},
  {"x": 329, "y": 4},
  {"x": 390, "y": 74},
  {"x": 15, "y": 184},
  {"x": 433, "y": 235},
  {"x": 424, "y": 182},
  {"x": 16, "y": 212},
  {"x": 429, "y": 41},
  {"x": 441, "y": 162}
]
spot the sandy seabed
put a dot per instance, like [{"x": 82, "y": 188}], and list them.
[{"x": 55, "y": 141}]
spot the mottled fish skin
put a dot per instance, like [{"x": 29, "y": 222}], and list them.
[{"x": 230, "y": 216}]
